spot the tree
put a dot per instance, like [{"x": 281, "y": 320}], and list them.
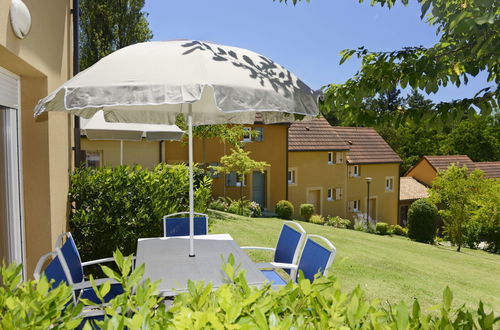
[
  {"x": 454, "y": 191},
  {"x": 109, "y": 25},
  {"x": 239, "y": 162},
  {"x": 469, "y": 43}
]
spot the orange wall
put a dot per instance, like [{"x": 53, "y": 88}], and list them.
[
  {"x": 272, "y": 150},
  {"x": 313, "y": 172},
  {"x": 423, "y": 172},
  {"x": 42, "y": 61}
]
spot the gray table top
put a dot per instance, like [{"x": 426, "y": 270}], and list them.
[{"x": 166, "y": 259}]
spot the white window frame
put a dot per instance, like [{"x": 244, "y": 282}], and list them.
[
  {"x": 330, "y": 158},
  {"x": 329, "y": 195},
  {"x": 259, "y": 137},
  {"x": 354, "y": 171},
  {"x": 99, "y": 153},
  {"x": 390, "y": 187},
  {"x": 247, "y": 131},
  {"x": 354, "y": 205},
  {"x": 16, "y": 234}
]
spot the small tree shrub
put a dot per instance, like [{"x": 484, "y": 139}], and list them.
[
  {"x": 255, "y": 209},
  {"x": 112, "y": 207},
  {"x": 284, "y": 209},
  {"x": 338, "y": 222},
  {"x": 422, "y": 221},
  {"x": 306, "y": 211},
  {"x": 317, "y": 219},
  {"x": 398, "y": 230},
  {"x": 218, "y": 204},
  {"x": 382, "y": 228}
]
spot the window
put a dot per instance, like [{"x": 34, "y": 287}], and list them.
[
  {"x": 259, "y": 137},
  {"x": 338, "y": 194},
  {"x": 247, "y": 137},
  {"x": 330, "y": 194},
  {"x": 389, "y": 183},
  {"x": 213, "y": 175},
  {"x": 339, "y": 159},
  {"x": 93, "y": 159},
  {"x": 232, "y": 180},
  {"x": 354, "y": 206},
  {"x": 291, "y": 176},
  {"x": 354, "y": 171},
  {"x": 330, "y": 158}
]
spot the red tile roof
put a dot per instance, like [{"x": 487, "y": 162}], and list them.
[
  {"x": 490, "y": 169},
  {"x": 314, "y": 135},
  {"x": 364, "y": 144},
  {"x": 441, "y": 163}
]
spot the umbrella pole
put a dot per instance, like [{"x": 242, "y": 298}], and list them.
[
  {"x": 121, "y": 152},
  {"x": 191, "y": 186}
]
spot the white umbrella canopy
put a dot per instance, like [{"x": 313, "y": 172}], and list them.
[
  {"x": 154, "y": 82},
  {"x": 97, "y": 128}
]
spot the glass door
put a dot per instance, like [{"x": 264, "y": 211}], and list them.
[{"x": 11, "y": 220}]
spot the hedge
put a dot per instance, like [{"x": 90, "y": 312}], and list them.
[
  {"x": 233, "y": 305},
  {"x": 112, "y": 207}
]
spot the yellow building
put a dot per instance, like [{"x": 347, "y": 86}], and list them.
[
  {"x": 35, "y": 154},
  {"x": 328, "y": 167},
  {"x": 265, "y": 188}
]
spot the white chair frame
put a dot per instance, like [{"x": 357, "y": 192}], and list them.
[{"x": 294, "y": 264}]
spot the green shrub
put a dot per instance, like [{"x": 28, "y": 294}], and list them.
[
  {"x": 284, "y": 209},
  {"x": 317, "y": 219},
  {"x": 422, "y": 217},
  {"x": 240, "y": 207},
  {"x": 306, "y": 211},
  {"x": 318, "y": 305},
  {"x": 359, "y": 227},
  {"x": 218, "y": 204},
  {"x": 398, "y": 230},
  {"x": 255, "y": 209},
  {"x": 382, "y": 228},
  {"x": 338, "y": 222},
  {"x": 112, "y": 207}
]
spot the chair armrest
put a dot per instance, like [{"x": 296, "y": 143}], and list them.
[
  {"x": 97, "y": 261},
  {"x": 88, "y": 284},
  {"x": 281, "y": 265},
  {"x": 257, "y": 248}
]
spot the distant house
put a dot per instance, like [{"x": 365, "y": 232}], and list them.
[
  {"x": 418, "y": 178},
  {"x": 328, "y": 166},
  {"x": 426, "y": 169}
]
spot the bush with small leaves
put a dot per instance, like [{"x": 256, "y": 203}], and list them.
[
  {"x": 317, "y": 219},
  {"x": 398, "y": 230},
  {"x": 284, "y": 209},
  {"x": 422, "y": 217},
  {"x": 338, "y": 222},
  {"x": 382, "y": 228},
  {"x": 306, "y": 211}
]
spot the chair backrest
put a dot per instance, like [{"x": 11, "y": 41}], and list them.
[
  {"x": 289, "y": 243},
  {"x": 173, "y": 225},
  {"x": 71, "y": 257},
  {"x": 315, "y": 257},
  {"x": 53, "y": 271}
]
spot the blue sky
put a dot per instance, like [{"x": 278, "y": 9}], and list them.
[{"x": 306, "y": 39}]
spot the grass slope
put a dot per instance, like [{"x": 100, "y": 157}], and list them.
[{"x": 388, "y": 268}]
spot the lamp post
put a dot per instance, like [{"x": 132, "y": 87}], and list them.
[{"x": 368, "y": 181}]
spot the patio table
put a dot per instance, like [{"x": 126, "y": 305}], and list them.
[{"x": 166, "y": 259}]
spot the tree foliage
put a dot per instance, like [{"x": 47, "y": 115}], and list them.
[
  {"x": 469, "y": 43},
  {"x": 455, "y": 191},
  {"x": 109, "y": 25}
]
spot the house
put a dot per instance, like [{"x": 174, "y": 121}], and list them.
[
  {"x": 418, "y": 179},
  {"x": 35, "y": 154},
  {"x": 270, "y": 145},
  {"x": 329, "y": 166}
]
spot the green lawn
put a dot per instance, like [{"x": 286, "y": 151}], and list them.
[{"x": 388, "y": 268}]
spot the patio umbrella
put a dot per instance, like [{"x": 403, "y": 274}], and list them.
[
  {"x": 97, "y": 128},
  {"x": 154, "y": 82}
]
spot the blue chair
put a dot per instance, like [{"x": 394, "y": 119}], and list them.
[
  {"x": 287, "y": 248},
  {"x": 314, "y": 259},
  {"x": 173, "y": 225},
  {"x": 73, "y": 267}
]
